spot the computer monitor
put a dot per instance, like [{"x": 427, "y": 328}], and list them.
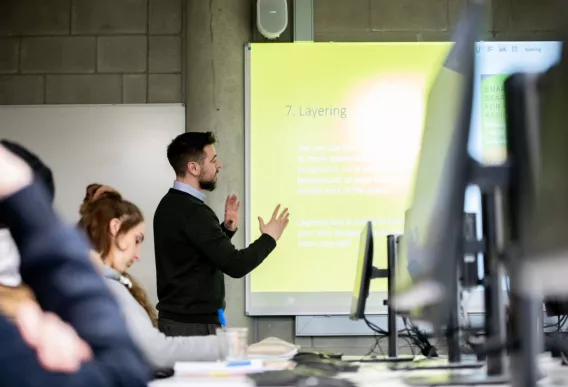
[
  {"x": 363, "y": 273},
  {"x": 433, "y": 232},
  {"x": 535, "y": 146},
  {"x": 522, "y": 95},
  {"x": 546, "y": 252}
]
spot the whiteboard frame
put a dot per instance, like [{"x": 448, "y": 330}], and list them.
[{"x": 248, "y": 306}]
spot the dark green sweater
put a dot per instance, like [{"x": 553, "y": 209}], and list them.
[{"x": 192, "y": 251}]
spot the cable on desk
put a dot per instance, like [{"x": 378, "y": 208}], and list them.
[
  {"x": 411, "y": 334},
  {"x": 378, "y": 334},
  {"x": 420, "y": 339}
]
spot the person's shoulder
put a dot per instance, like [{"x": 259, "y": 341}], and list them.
[
  {"x": 175, "y": 200},
  {"x": 119, "y": 291},
  {"x": 169, "y": 205},
  {"x": 166, "y": 198},
  {"x": 114, "y": 284},
  {"x": 199, "y": 211}
]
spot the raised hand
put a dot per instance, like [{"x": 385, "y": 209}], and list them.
[
  {"x": 232, "y": 206},
  {"x": 278, "y": 222}
]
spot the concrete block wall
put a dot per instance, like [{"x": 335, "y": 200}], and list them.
[
  {"x": 431, "y": 20},
  {"x": 91, "y": 51}
]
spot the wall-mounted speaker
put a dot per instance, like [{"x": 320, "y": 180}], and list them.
[{"x": 271, "y": 17}]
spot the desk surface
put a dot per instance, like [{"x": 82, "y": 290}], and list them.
[{"x": 369, "y": 374}]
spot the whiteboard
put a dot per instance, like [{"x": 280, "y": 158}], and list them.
[{"x": 123, "y": 146}]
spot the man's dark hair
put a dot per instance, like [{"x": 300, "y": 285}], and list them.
[
  {"x": 188, "y": 147},
  {"x": 41, "y": 171}
]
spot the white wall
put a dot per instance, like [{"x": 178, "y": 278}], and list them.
[{"x": 120, "y": 145}]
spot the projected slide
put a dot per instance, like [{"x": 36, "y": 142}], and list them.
[{"x": 334, "y": 133}]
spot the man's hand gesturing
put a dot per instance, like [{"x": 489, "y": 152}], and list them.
[
  {"x": 275, "y": 227},
  {"x": 232, "y": 206}
]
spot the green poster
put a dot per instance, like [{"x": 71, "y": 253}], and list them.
[{"x": 493, "y": 124}]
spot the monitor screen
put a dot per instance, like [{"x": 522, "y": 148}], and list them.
[
  {"x": 363, "y": 273},
  {"x": 495, "y": 62},
  {"x": 547, "y": 242},
  {"x": 433, "y": 232}
]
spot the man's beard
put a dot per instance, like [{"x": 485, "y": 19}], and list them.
[{"x": 208, "y": 185}]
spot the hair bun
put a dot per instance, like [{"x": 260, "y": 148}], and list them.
[{"x": 111, "y": 194}]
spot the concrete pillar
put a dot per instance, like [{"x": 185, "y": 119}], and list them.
[{"x": 216, "y": 32}]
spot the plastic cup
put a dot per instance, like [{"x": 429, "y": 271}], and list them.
[{"x": 233, "y": 344}]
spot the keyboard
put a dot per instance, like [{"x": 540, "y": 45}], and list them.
[{"x": 297, "y": 378}]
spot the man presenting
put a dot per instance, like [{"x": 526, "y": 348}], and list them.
[{"x": 193, "y": 249}]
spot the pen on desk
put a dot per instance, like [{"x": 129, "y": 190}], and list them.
[
  {"x": 239, "y": 363},
  {"x": 222, "y": 320}
]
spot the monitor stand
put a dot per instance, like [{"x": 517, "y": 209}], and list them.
[
  {"x": 389, "y": 274},
  {"x": 407, "y": 362},
  {"x": 496, "y": 370},
  {"x": 454, "y": 360}
]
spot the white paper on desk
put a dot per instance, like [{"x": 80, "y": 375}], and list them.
[
  {"x": 283, "y": 357},
  {"x": 272, "y": 348}
]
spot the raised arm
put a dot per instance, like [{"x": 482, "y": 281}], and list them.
[
  {"x": 205, "y": 233},
  {"x": 226, "y": 231},
  {"x": 209, "y": 237}
]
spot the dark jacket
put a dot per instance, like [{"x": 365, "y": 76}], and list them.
[
  {"x": 55, "y": 264},
  {"x": 193, "y": 251}
]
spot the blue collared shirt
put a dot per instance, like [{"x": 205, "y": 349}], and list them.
[{"x": 189, "y": 189}]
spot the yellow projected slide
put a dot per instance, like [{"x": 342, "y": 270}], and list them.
[{"x": 334, "y": 134}]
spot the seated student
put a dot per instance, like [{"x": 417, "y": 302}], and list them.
[
  {"x": 97, "y": 350},
  {"x": 12, "y": 291},
  {"x": 115, "y": 228}
]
